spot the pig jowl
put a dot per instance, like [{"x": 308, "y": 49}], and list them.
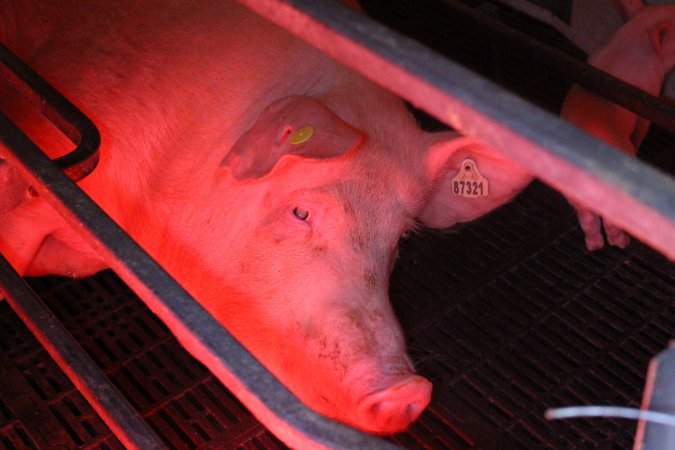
[{"x": 270, "y": 181}]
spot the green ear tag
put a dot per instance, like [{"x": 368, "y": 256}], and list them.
[{"x": 301, "y": 135}]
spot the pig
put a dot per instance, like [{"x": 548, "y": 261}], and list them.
[
  {"x": 267, "y": 179},
  {"x": 14, "y": 189},
  {"x": 641, "y": 53}
]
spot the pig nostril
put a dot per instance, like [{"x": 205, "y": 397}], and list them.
[
  {"x": 393, "y": 409},
  {"x": 374, "y": 409},
  {"x": 414, "y": 410}
]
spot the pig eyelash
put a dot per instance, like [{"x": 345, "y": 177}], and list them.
[{"x": 300, "y": 213}]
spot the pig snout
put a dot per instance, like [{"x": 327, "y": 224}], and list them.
[
  {"x": 392, "y": 409},
  {"x": 387, "y": 395}
]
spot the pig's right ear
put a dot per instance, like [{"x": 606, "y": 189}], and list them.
[
  {"x": 663, "y": 39},
  {"x": 466, "y": 179},
  {"x": 293, "y": 125}
]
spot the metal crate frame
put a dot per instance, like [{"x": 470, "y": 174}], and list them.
[{"x": 564, "y": 157}]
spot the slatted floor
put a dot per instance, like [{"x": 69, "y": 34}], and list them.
[{"x": 507, "y": 316}]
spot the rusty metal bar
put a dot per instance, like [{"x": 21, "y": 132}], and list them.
[
  {"x": 635, "y": 196},
  {"x": 125, "y": 422}
]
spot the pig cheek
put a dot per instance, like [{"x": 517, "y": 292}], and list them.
[
  {"x": 326, "y": 332},
  {"x": 308, "y": 295},
  {"x": 336, "y": 338},
  {"x": 272, "y": 255},
  {"x": 327, "y": 342}
]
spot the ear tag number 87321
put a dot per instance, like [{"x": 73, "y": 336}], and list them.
[{"x": 469, "y": 182}]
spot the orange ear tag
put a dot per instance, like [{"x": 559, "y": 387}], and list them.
[
  {"x": 469, "y": 182},
  {"x": 301, "y": 135}
]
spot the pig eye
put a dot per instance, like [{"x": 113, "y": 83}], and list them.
[{"x": 300, "y": 213}]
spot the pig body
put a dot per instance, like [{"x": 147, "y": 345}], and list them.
[
  {"x": 270, "y": 181},
  {"x": 641, "y": 53},
  {"x": 15, "y": 190}
]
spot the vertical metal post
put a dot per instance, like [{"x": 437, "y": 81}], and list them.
[{"x": 659, "y": 396}]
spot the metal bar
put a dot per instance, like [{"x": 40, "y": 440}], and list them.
[
  {"x": 635, "y": 196},
  {"x": 76, "y": 126},
  {"x": 235, "y": 367},
  {"x": 659, "y": 396},
  {"x": 125, "y": 422},
  {"x": 660, "y": 111}
]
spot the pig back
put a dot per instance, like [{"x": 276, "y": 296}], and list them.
[{"x": 170, "y": 84}]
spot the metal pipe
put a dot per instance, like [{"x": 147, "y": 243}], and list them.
[
  {"x": 122, "y": 419},
  {"x": 76, "y": 126},
  {"x": 635, "y": 196},
  {"x": 660, "y": 111},
  {"x": 659, "y": 395}
]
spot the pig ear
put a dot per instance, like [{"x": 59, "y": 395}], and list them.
[
  {"x": 660, "y": 34},
  {"x": 467, "y": 179},
  {"x": 293, "y": 125}
]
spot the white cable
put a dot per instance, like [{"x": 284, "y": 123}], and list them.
[{"x": 610, "y": 411}]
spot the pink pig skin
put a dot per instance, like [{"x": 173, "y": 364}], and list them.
[
  {"x": 288, "y": 245},
  {"x": 641, "y": 53}
]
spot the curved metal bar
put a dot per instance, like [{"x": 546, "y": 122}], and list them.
[{"x": 71, "y": 121}]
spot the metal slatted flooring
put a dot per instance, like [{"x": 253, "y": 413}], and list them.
[
  {"x": 507, "y": 316},
  {"x": 180, "y": 399}
]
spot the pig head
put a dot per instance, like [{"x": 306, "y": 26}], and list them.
[
  {"x": 298, "y": 240},
  {"x": 271, "y": 182}
]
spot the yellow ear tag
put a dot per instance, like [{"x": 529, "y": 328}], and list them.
[{"x": 301, "y": 135}]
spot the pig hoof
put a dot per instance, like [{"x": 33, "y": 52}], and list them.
[
  {"x": 616, "y": 236},
  {"x": 594, "y": 243},
  {"x": 620, "y": 240},
  {"x": 391, "y": 410}
]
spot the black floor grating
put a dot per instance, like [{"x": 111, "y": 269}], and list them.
[
  {"x": 177, "y": 396},
  {"x": 537, "y": 323}
]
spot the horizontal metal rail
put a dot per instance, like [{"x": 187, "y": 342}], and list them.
[
  {"x": 199, "y": 332},
  {"x": 660, "y": 111},
  {"x": 73, "y": 124},
  {"x": 125, "y": 422},
  {"x": 635, "y": 196}
]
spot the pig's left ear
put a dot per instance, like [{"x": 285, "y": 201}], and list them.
[
  {"x": 466, "y": 179},
  {"x": 293, "y": 125},
  {"x": 663, "y": 39}
]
